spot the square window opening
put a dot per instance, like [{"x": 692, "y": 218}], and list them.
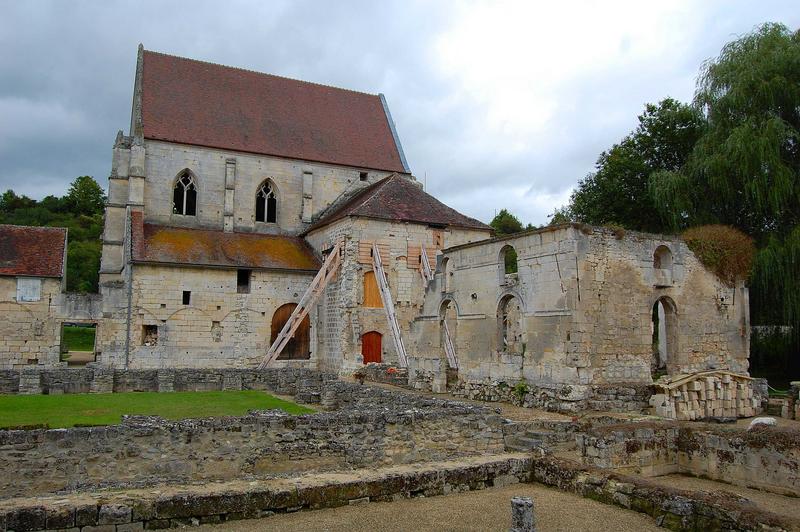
[
  {"x": 243, "y": 281},
  {"x": 150, "y": 335},
  {"x": 187, "y": 297},
  {"x": 362, "y": 176}
]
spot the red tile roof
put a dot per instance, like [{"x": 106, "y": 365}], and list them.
[
  {"x": 202, "y": 247},
  {"x": 32, "y": 251},
  {"x": 398, "y": 198},
  {"x": 193, "y": 102}
]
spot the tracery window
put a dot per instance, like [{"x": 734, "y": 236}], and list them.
[
  {"x": 184, "y": 195},
  {"x": 266, "y": 203}
]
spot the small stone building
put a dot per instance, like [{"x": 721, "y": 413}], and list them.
[{"x": 32, "y": 277}]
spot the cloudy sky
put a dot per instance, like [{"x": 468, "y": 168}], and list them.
[{"x": 498, "y": 104}]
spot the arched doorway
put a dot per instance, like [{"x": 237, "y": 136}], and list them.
[
  {"x": 664, "y": 334},
  {"x": 448, "y": 330},
  {"x": 509, "y": 321},
  {"x": 299, "y": 347},
  {"x": 371, "y": 346}
]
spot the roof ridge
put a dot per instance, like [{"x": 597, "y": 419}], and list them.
[
  {"x": 378, "y": 186},
  {"x": 55, "y": 227},
  {"x": 242, "y": 69}
]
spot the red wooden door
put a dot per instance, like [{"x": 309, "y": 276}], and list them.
[
  {"x": 371, "y": 347},
  {"x": 299, "y": 347}
]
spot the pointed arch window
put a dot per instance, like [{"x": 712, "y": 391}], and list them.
[
  {"x": 266, "y": 203},
  {"x": 184, "y": 195}
]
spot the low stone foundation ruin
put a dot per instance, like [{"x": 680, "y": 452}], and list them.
[{"x": 766, "y": 458}]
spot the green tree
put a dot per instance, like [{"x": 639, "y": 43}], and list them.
[
  {"x": 617, "y": 192},
  {"x": 505, "y": 223},
  {"x": 745, "y": 170},
  {"x": 81, "y": 212},
  {"x": 85, "y": 196}
]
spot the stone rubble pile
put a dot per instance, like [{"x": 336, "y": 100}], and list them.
[{"x": 710, "y": 394}]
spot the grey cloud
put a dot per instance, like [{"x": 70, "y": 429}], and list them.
[{"x": 66, "y": 76}]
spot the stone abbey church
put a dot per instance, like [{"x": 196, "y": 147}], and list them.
[{"x": 233, "y": 188}]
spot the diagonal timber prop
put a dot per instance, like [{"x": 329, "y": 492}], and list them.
[
  {"x": 448, "y": 345},
  {"x": 388, "y": 304},
  {"x": 425, "y": 265},
  {"x": 309, "y": 299}
]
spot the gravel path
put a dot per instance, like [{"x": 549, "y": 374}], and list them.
[{"x": 488, "y": 509}]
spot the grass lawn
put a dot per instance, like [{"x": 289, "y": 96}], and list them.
[
  {"x": 76, "y": 338},
  {"x": 70, "y": 410}
]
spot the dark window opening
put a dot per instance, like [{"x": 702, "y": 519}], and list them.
[
  {"x": 150, "y": 335},
  {"x": 187, "y": 297},
  {"x": 266, "y": 204},
  {"x": 184, "y": 195},
  {"x": 362, "y": 176},
  {"x": 243, "y": 281}
]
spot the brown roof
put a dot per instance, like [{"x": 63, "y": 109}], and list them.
[
  {"x": 398, "y": 198},
  {"x": 32, "y": 251},
  {"x": 193, "y": 102},
  {"x": 203, "y": 247}
]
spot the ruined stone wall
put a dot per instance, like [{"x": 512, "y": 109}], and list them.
[
  {"x": 219, "y": 328},
  {"x": 619, "y": 286},
  {"x": 347, "y": 319},
  {"x": 298, "y": 201},
  {"x": 372, "y": 426},
  {"x": 766, "y": 458},
  {"x": 302, "y": 382},
  {"x": 578, "y": 312},
  {"x": 30, "y": 332}
]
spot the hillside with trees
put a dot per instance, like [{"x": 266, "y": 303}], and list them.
[{"x": 81, "y": 212}]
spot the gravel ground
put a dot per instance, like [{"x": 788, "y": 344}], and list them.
[
  {"x": 780, "y": 504},
  {"x": 488, "y": 509}
]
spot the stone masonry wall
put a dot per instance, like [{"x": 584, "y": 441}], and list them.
[
  {"x": 30, "y": 332},
  {"x": 219, "y": 328},
  {"x": 765, "y": 458},
  {"x": 148, "y": 450},
  {"x": 97, "y": 379},
  {"x": 347, "y": 317}
]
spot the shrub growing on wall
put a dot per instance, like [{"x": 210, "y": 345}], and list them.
[{"x": 723, "y": 250}]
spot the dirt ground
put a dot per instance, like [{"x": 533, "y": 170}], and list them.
[{"x": 484, "y": 510}]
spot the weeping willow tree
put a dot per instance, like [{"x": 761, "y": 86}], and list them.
[{"x": 744, "y": 170}]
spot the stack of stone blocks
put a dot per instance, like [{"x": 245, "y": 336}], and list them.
[{"x": 705, "y": 395}]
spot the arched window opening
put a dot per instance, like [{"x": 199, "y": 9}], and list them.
[
  {"x": 664, "y": 336},
  {"x": 446, "y": 273},
  {"x": 372, "y": 295},
  {"x": 266, "y": 203},
  {"x": 299, "y": 347},
  {"x": 509, "y": 318},
  {"x": 371, "y": 347},
  {"x": 184, "y": 195},
  {"x": 448, "y": 327},
  {"x": 507, "y": 265},
  {"x": 662, "y": 258},
  {"x": 662, "y": 266}
]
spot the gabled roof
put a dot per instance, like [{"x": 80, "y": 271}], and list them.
[
  {"x": 193, "y": 102},
  {"x": 32, "y": 251},
  {"x": 398, "y": 198},
  {"x": 153, "y": 243}
]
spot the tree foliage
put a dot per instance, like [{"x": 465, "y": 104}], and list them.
[
  {"x": 81, "y": 212},
  {"x": 505, "y": 223},
  {"x": 617, "y": 192}
]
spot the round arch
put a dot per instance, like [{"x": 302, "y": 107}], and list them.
[
  {"x": 510, "y": 324},
  {"x": 665, "y": 337},
  {"x": 299, "y": 346}
]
